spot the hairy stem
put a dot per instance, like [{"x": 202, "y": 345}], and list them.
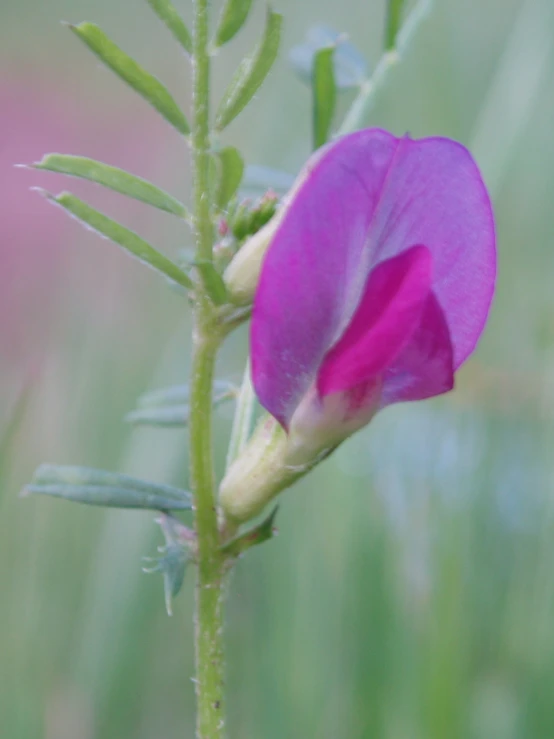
[
  {"x": 210, "y": 665},
  {"x": 209, "y": 589},
  {"x": 201, "y": 133}
]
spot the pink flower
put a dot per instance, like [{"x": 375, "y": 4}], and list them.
[
  {"x": 376, "y": 285},
  {"x": 374, "y": 289}
]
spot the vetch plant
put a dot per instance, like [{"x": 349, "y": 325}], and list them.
[{"x": 368, "y": 283}]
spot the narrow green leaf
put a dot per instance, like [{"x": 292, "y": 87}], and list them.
[
  {"x": 102, "y": 488},
  {"x": 176, "y": 394},
  {"x": 109, "y": 497},
  {"x": 171, "y": 416},
  {"x": 233, "y": 17},
  {"x": 324, "y": 95},
  {"x": 117, "y": 233},
  {"x": 350, "y": 65},
  {"x": 251, "y": 73},
  {"x": 169, "y": 15},
  {"x": 393, "y": 22},
  {"x": 257, "y": 535},
  {"x": 168, "y": 407},
  {"x": 213, "y": 282},
  {"x": 133, "y": 74},
  {"x": 114, "y": 178},
  {"x": 231, "y": 169}
]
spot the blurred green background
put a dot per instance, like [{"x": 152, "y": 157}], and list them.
[{"x": 410, "y": 592}]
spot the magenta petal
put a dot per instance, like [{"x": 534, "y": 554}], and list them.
[
  {"x": 316, "y": 267},
  {"x": 386, "y": 318},
  {"x": 424, "y": 368},
  {"x": 362, "y": 200},
  {"x": 434, "y": 195}
]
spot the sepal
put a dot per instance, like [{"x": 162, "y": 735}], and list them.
[
  {"x": 259, "y": 473},
  {"x": 175, "y": 556}
]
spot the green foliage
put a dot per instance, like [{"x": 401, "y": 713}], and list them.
[
  {"x": 101, "y": 488},
  {"x": 130, "y": 241},
  {"x": 223, "y": 390},
  {"x": 168, "y": 407},
  {"x": 252, "y": 538},
  {"x": 251, "y": 73},
  {"x": 212, "y": 281},
  {"x": 350, "y": 66},
  {"x": 409, "y": 593},
  {"x": 229, "y": 177},
  {"x": 170, "y": 416},
  {"x": 133, "y": 74},
  {"x": 393, "y": 22},
  {"x": 169, "y": 15},
  {"x": 359, "y": 113},
  {"x": 247, "y": 218},
  {"x": 174, "y": 559},
  {"x": 324, "y": 95},
  {"x": 232, "y": 19},
  {"x": 113, "y": 178}
]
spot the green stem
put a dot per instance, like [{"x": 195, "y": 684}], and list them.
[
  {"x": 210, "y": 668},
  {"x": 201, "y": 134}
]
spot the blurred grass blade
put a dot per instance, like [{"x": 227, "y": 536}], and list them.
[
  {"x": 102, "y": 488},
  {"x": 251, "y": 73},
  {"x": 359, "y": 111},
  {"x": 11, "y": 426},
  {"x": 117, "y": 233},
  {"x": 168, "y": 407},
  {"x": 169, "y": 15},
  {"x": 233, "y": 16},
  {"x": 324, "y": 95},
  {"x": 223, "y": 390},
  {"x": 113, "y": 178},
  {"x": 412, "y": 23},
  {"x": 393, "y": 22},
  {"x": 257, "y": 535},
  {"x": 133, "y": 74},
  {"x": 231, "y": 169},
  {"x": 213, "y": 282}
]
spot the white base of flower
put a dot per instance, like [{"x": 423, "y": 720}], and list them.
[{"x": 260, "y": 473}]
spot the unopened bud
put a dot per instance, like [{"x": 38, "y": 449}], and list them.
[{"x": 242, "y": 274}]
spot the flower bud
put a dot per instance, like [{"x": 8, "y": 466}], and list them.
[{"x": 241, "y": 276}]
